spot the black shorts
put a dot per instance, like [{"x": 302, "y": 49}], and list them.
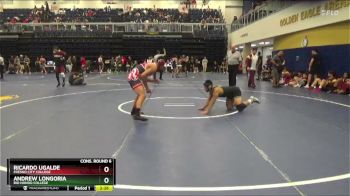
[
  {"x": 135, "y": 83},
  {"x": 231, "y": 92},
  {"x": 315, "y": 71}
]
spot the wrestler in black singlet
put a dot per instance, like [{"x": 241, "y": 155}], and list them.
[{"x": 230, "y": 92}]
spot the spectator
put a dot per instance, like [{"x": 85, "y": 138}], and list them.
[
  {"x": 100, "y": 64},
  {"x": 251, "y": 62},
  {"x": 17, "y": 64},
  {"x": 26, "y": 64},
  {"x": 111, "y": 65},
  {"x": 194, "y": 4},
  {"x": 83, "y": 64},
  {"x": 259, "y": 66},
  {"x": 179, "y": 65},
  {"x": 197, "y": 64},
  {"x": 124, "y": 62},
  {"x": 12, "y": 66},
  {"x": 223, "y": 66},
  {"x": 90, "y": 13},
  {"x": 59, "y": 57},
  {"x": 234, "y": 58},
  {"x": 314, "y": 67},
  {"x": 42, "y": 63},
  {"x": 235, "y": 18},
  {"x": 2, "y": 67},
  {"x": 175, "y": 67},
  {"x": 322, "y": 83},
  {"x": 186, "y": 64},
  {"x": 75, "y": 65},
  {"x": 140, "y": 15},
  {"x": 21, "y": 63},
  {"x": 295, "y": 81},
  {"x": 118, "y": 61},
  {"x": 192, "y": 62},
  {"x": 316, "y": 82},
  {"x": 286, "y": 76},
  {"x": 329, "y": 84},
  {"x": 216, "y": 67},
  {"x": 343, "y": 84},
  {"x": 277, "y": 67},
  {"x": 204, "y": 64},
  {"x": 76, "y": 77},
  {"x": 69, "y": 64},
  {"x": 128, "y": 64},
  {"x": 37, "y": 64},
  {"x": 266, "y": 69}
]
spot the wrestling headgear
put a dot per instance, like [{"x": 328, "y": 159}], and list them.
[{"x": 208, "y": 85}]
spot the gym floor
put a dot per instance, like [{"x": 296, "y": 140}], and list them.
[{"x": 296, "y": 142}]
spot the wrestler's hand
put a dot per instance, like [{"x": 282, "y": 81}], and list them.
[{"x": 148, "y": 91}]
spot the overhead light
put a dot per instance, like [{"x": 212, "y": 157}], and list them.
[
  {"x": 236, "y": 48},
  {"x": 271, "y": 48},
  {"x": 241, "y": 47},
  {"x": 253, "y": 45},
  {"x": 261, "y": 43},
  {"x": 266, "y": 43}
]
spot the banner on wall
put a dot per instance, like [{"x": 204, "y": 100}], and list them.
[{"x": 298, "y": 17}]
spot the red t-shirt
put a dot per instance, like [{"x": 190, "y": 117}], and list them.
[
  {"x": 83, "y": 62},
  {"x": 342, "y": 85},
  {"x": 124, "y": 60}
]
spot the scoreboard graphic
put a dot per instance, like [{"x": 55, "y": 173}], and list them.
[{"x": 85, "y": 174}]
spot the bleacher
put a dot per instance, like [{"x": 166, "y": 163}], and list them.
[
  {"x": 138, "y": 33},
  {"x": 115, "y": 15}
]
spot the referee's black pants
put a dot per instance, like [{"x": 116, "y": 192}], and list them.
[
  {"x": 160, "y": 75},
  {"x": 2, "y": 67},
  {"x": 232, "y": 73}
]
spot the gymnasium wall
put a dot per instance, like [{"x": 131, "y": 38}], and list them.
[
  {"x": 332, "y": 42},
  {"x": 300, "y": 16},
  {"x": 333, "y": 34}
]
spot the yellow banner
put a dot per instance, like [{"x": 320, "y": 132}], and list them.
[{"x": 330, "y": 8}]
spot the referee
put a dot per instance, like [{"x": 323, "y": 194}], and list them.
[{"x": 234, "y": 58}]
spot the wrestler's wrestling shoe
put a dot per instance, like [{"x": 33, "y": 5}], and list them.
[{"x": 254, "y": 99}]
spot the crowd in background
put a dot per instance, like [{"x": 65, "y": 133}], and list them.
[
  {"x": 22, "y": 64},
  {"x": 276, "y": 70},
  {"x": 184, "y": 14}
]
